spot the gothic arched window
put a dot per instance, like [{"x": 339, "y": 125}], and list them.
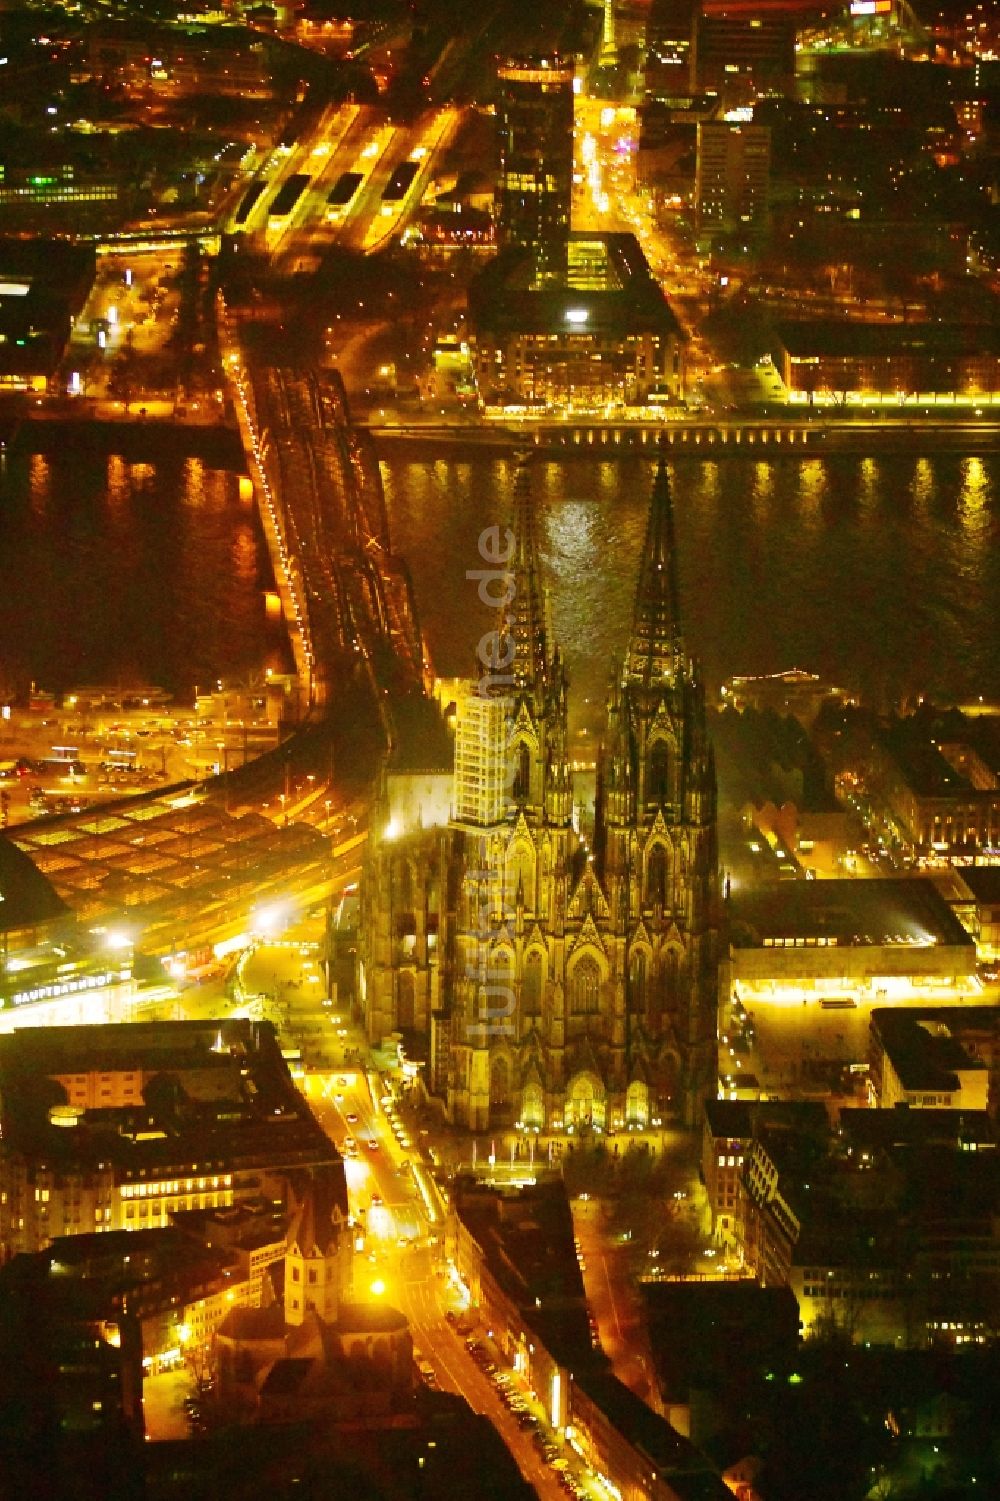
[
  {"x": 499, "y": 1082},
  {"x": 404, "y": 1000},
  {"x": 531, "y": 984},
  {"x": 672, "y": 978},
  {"x": 638, "y": 980},
  {"x": 500, "y": 998},
  {"x": 533, "y": 1106},
  {"x": 585, "y": 987},
  {"x": 522, "y": 773},
  {"x": 521, "y": 876},
  {"x": 656, "y": 877},
  {"x": 637, "y": 1103},
  {"x": 658, "y": 781}
]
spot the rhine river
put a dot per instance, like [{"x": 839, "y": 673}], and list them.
[
  {"x": 882, "y": 574},
  {"x": 125, "y": 573}
]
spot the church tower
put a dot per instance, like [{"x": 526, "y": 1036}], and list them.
[
  {"x": 656, "y": 838},
  {"x": 317, "y": 1261},
  {"x": 515, "y": 863}
]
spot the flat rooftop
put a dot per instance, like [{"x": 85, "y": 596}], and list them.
[
  {"x": 216, "y": 1092},
  {"x": 737, "y": 1118},
  {"x": 926, "y": 1054},
  {"x": 607, "y": 289},
  {"x": 37, "y": 270},
  {"x": 700, "y": 1331},
  {"x": 965, "y": 1021},
  {"x": 835, "y": 338},
  {"x": 527, "y": 1237},
  {"x": 982, "y": 880},
  {"x": 925, "y": 769},
  {"x": 859, "y": 913},
  {"x": 886, "y": 1130},
  {"x": 688, "y": 1471}
]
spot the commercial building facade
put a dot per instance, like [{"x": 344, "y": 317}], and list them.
[
  {"x": 957, "y": 1051},
  {"x": 513, "y": 1250},
  {"x": 888, "y": 363},
  {"x": 886, "y": 1231},
  {"x": 599, "y": 334},
  {"x": 44, "y": 285},
  {"x": 732, "y": 174},
  {"x": 98, "y": 1135},
  {"x": 888, "y": 940},
  {"x": 920, "y": 1062},
  {"x": 742, "y": 53},
  {"x": 938, "y": 788},
  {"x": 535, "y": 126}
]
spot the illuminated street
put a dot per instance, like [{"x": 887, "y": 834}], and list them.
[{"x": 401, "y": 1247}]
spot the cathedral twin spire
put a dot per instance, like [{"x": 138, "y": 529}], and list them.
[
  {"x": 655, "y": 650},
  {"x": 540, "y": 777},
  {"x": 525, "y": 622}
]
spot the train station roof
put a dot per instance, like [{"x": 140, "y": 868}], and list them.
[
  {"x": 27, "y": 897},
  {"x": 868, "y": 913}
]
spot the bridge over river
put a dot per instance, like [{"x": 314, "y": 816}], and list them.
[{"x": 347, "y": 598}]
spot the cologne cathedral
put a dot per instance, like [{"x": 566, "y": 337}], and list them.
[{"x": 543, "y": 982}]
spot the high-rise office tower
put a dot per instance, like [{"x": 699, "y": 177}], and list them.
[
  {"x": 732, "y": 174},
  {"x": 668, "y": 47},
  {"x": 535, "y": 121},
  {"x": 742, "y": 54}
]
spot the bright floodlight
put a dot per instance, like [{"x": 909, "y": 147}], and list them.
[
  {"x": 271, "y": 919},
  {"x": 377, "y": 1288},
  {"x": 118, "y": 938},
  {"x": 576, "y": 315}
]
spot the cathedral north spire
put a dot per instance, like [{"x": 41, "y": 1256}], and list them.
[
  {"x": 655, "y": 648},
  {"x": 526, "y": 612}
]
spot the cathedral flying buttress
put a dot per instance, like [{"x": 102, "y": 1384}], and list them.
[{"x": 569, "y": 989}]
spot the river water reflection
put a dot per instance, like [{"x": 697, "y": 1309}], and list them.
[
  {"x": 116, "y": 572},
  {"x": 882, "y": 574}
]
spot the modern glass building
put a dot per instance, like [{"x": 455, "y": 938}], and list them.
[{"x": 535, "y": 120}]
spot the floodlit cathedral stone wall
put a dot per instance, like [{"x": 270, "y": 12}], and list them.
[{"x": 547, "y": 983}]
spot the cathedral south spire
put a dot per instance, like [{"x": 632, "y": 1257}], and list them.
[
  {"x": 656, "y": 838},
  {"x": 655, "y": 649},
  {"x": 525, "y": 612},
  {"x": 537, "y": 744}
]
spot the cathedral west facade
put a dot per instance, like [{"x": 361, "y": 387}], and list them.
[{"x": 545, "y": 982}]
